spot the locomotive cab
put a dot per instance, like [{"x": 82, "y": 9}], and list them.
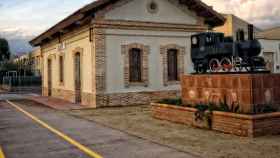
[
  {"x": 206, "y": 39},
  {"x": 209, "y": 45}
]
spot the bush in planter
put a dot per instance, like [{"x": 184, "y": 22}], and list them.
[
  {"x": 260, "y": 109},
  {"x": 223, "y": 106},
  {"x": 177, "y": 101},
  {"x": 203, "y": 116}
]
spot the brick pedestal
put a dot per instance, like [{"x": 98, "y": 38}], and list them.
[{"x": 245, "y": 90}]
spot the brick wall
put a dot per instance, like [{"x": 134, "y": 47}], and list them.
[
  {"x": 231, "y": 123},
  {"x": 133, "y": 98},
  {"x": 174, "y": 114},
  {"x": 240, "y": 125},
  {"x": 245, "y": 90}
]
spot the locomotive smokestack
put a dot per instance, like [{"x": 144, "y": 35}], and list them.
[{"x": 250, "y": 32}]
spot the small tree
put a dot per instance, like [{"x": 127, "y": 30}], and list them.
[{"x": 4, "y": 50}]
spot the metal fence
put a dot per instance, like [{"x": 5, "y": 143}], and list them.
[{"x": 21, "y": 81}]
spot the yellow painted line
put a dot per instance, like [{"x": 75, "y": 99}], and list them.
[
  {"x": 55, "y": 131},
  {"x": 1, "y": 153}
]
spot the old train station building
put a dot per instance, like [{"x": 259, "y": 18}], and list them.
[{"x": 120, "y": 52}]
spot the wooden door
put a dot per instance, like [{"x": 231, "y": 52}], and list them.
[
  {"x": 77, "y": 73},
  {"x": 269, "y": 59},
  {"x": 49, "y": 77}
]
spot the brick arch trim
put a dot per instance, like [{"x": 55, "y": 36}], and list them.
[
  {"x": 181, "y": 53},
  {"x": 145, "y": 50},
  {"x": 78, "y": 50},
  {"x": 74, "y": 52}
]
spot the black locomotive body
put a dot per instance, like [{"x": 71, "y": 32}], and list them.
[{"x": 215, "y": 53}]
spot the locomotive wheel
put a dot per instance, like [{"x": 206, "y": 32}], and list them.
[
  {"x": 214, "y": 65},
  {"x": 249, "y": 69},
  {"x": 226, "y": 64}
]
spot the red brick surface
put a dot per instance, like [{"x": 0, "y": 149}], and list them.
[
  {"x": 58, "y": 104},
  {"x": 243, "y": 89}
]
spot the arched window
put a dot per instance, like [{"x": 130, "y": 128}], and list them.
[
  {"x": 61, "y": 69},
  {"x": 173, "y": 57},
  {"x": 135, "y": 65},
  {"x": 172, "y": 64}
]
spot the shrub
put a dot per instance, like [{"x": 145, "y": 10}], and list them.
[
  {"x": 223, "y": 106},
  {"x": 177, "y": 101},
  {"x": 264, "y": 109}
]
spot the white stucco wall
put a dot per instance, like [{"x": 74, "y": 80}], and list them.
[
  {"x": 154, "y": 39},
  {"x": 136, "y": 10},
  {"x": 272, "y": 46}
]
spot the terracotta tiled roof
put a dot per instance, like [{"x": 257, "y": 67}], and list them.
[{"x": 84, "y": 14}]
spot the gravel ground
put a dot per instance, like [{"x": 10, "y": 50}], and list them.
[{"x": 209, "y": 144}]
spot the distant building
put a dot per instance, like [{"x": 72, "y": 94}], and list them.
[
  {"x": 269, "y": 39},
  {"x": 32, "y": 59},
  {"x": 233, "y": 24}
]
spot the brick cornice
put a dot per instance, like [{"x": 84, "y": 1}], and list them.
[{"x": 143, "y": 25}]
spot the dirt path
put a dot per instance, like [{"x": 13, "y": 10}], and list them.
[{"x": 210, "y": 144}]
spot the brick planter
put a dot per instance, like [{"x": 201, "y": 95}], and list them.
[
  {"x": 231, "y": 123},
  {"x": 182, "y": 115}
]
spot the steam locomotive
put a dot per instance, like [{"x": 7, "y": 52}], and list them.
[{"x": 212, "y": 52}]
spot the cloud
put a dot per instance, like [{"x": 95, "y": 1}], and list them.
[
  {"x": 33, "y": 16},
  {"x": 21, "y": 20},
  {"x": 17, "y": 38},
  {"x": 262, "y": 13}
]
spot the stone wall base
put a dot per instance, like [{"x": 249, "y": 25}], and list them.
[
  {"x": 87, "y": 99},
  {"x": 113, "y": 99},
  {"x": 134, "y": 98}
]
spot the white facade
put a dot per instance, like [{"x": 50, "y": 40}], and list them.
[
  {"x": 154, "y": 39},
  {"x": 271, "y": 52},
  {"x": 167, "y": 12}
]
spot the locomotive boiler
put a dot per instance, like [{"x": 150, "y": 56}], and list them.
[{"x": 212, "y": 52}]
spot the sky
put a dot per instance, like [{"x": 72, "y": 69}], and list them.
[
  {"x": 24, "y": 19},
  {"x": 262, "y": 13},
  {"x": 31, "y": 17}
]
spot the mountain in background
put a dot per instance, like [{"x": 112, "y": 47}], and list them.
[{"x": 18, "y": 41}]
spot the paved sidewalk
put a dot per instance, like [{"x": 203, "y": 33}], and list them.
[
  {"x": 57, "y": 104},
  {"x": 20, "y": 137},
  {"x": 23, "y": 138}
]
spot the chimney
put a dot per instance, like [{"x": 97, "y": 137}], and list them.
[
  {"x": 250, "y": 32},
  {"x": 240, "y": 35}
]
